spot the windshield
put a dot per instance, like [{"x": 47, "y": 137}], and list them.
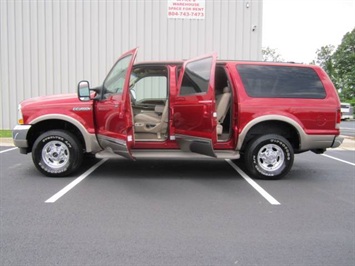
[{"x": 116, "y": 78}]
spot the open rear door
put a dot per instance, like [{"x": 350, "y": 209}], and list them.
[
  {"x": 194, "y": 112},
  {"x": 113, "y": 112}
]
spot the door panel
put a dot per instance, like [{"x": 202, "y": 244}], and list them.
[
  {"x": 195, "y": 117},
  {"x": 113, "y": 113}
]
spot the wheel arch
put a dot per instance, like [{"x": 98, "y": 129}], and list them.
[
  {"x": 61, "y": 122},
  {"x": 272, "y": 124}
]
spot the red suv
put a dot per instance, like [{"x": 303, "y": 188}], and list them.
[{"x": 261, "y": 112}]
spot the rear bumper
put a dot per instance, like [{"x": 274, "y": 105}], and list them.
[
  {"x": 337, "y": 142},
  {"x": 19, "y": 135}
]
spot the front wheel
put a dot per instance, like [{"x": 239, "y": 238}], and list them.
[
  {"x": 57, "y": 153},
  {"x": 269, "y": 157}
]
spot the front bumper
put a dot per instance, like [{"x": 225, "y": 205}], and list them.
[{"x": 19, "y": 135}]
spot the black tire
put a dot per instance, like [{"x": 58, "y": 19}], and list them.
[
  {"x": 269, "y": 157},
  {"x": 57, "y": 153}
]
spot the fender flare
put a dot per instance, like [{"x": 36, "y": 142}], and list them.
[
  {"x": 91, "y": 143},
  {"x": 265, "y": 118}
]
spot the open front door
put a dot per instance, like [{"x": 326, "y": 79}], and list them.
[
  {"x": 194, "y": 112},
  {"x": 113, "y": 112}
]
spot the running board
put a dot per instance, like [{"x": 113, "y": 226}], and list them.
[{"x": 151, "y": 154}]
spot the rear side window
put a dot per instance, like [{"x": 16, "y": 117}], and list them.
[
  {"x": 196, "y": 77},
  {"x": 281, "y": 82}
]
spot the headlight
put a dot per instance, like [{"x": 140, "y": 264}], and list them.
[{"x": 19, "y": 115}]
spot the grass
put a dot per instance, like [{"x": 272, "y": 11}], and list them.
[{"x": 5, "y": 133}]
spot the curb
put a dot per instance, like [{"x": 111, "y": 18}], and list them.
[
  {"x": 348, "y": 144},
  {"x": 6, "y": 142}
]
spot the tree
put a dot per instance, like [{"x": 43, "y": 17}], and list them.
[
  {"x": 324, "y": 58},
  {"x": 344, "y": 60},
  {"x": 270, "y": 54},
  {"x": 340, "y": 65}
]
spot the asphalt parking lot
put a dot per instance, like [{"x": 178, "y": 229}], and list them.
[{"x": 178, "y": 212}]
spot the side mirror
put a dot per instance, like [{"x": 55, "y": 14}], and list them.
[{"x": 84, "y": 91}]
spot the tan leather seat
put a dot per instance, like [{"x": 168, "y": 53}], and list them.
[
  {"x": 222, "y": 106},
  {"x": 153, "y": 122}
]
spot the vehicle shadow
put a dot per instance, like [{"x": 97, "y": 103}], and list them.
[
  {"x": 166, "y": 177},
  {"x": 166, "y": 169}
]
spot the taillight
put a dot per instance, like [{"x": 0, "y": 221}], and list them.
[{"x": 337, "y": 125}]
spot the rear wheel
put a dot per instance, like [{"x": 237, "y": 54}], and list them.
[
  {"x": 57, "y": 153},
  {"x": 269, "y": 157}
]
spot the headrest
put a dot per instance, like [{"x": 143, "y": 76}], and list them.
[{"x": 226, "y": 90}]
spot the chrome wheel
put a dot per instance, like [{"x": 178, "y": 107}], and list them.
[
  {"x": 55, "y": 154},
  {"x": 270, "y": 157}
]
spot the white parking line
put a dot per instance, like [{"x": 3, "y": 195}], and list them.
[
  {"x": 258, "y": 188},
  {"x": 66, "y": 189},
  {"x": 8, "y": 150},
  {"x": 337, "y": 159}
]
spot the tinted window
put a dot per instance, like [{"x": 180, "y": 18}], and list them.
[
  {"x": 196, "y": 77},
  {"x": 281, "y": 82}
]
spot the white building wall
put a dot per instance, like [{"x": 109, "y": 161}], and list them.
[{"x": 47, "y": 46}]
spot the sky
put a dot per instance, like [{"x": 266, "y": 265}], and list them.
[{"x": 297, "y": 28}]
